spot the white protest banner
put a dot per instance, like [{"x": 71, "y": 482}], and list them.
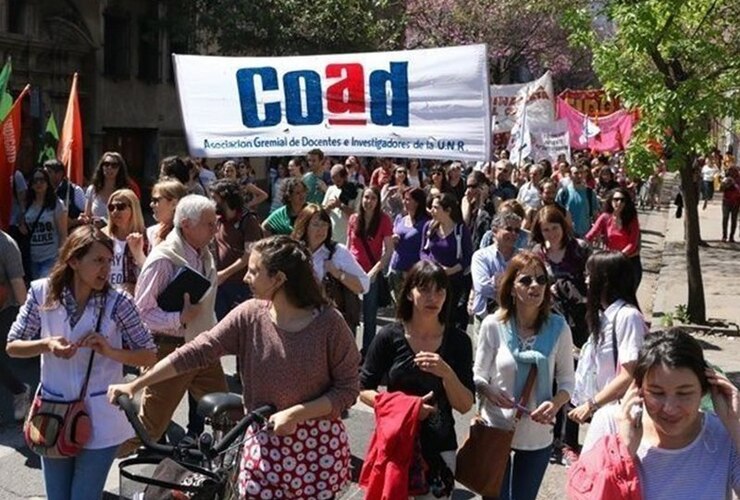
[
  {"x": 430, "y": 103},
  {"x": 550, "y": 141},
  {"x": 506, "y": 98}
]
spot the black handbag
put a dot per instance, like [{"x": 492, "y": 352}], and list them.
[{"x": 345, "y": 300}]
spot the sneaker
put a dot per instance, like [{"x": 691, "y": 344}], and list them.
[
  {"x": 570, "y": 456},
  {"x": 22, "y": 403}
]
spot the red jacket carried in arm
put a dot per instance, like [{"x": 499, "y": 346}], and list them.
[
  {"x": 385, "y": 475},
  {"x": 606, "y": 471}
]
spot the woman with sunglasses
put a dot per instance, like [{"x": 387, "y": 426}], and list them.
[
  {"x": 416, "y": 173},
  {"x": 253, "y": 195},
  {"x": 165, "y": 195},
  {"x": 619, "y": 228},
  {"x": 523, "y": 335},
  {"x": 44, "y": 224},
  {"x": 126, "y": 229},
  {"x": 110, "y": 175},
  {"x": 617, "y": 331},
  {"x": 438, "y": 181},
  {"x": 58, "y": 322},
  {"x": 423, "y": 355},
  {"x": 659, "y": 443},
  {"x": 391, "y": 195}
]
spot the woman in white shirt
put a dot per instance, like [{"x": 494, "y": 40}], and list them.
[
  {"x": 165, "y": 195},
  {"x": 658, "y": 441},
  {"x": 606, "y": 362},
  {"x": 523, "y": 334},
  {"x": 313, "y": 228},
  {"x": 126, "y": 229},
  {"x": 709, "y": 171}
]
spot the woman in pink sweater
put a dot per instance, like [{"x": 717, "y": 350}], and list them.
[
  {"x": 619, "y": 229},
  {"x": 295, "y": 352}
]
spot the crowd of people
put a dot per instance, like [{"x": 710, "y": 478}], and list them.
[{"x": 491, "y": 269}]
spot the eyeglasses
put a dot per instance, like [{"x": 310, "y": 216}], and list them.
[
  {"x": 39, "y": 180},
  {"x": 117, "y": 206},
  {"x": 511, "y": 229},
  {"x": 618, "y": 200},
  {"x": 527, "y": 280},
  {"x": 110, "y": 164},
  {"x": 157, "y": 199}
]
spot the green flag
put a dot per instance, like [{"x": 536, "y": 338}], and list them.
[
  {"x": 50, "y": 141},
  {"x": 6, "y": 100}
]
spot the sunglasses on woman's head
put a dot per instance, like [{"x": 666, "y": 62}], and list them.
[
  {"x": 527, "y": 280},
  {"x": 117, "y": 206}
]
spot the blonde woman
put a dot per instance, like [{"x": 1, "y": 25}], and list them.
[
  {"x": 126, "y": 229},
  {"x": 165, "y": 195}
]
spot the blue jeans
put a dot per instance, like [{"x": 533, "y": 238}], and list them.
[
  {"x": 41, "y": 269},
  {"x": 78, "y": 478},
  {"x": 369, "y": 315},
  {"x": 524, "y": 474}
]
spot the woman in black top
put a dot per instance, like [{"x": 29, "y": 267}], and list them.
[{"x": 421, "y": 354}]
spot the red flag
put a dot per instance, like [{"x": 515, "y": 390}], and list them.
[
  {"x": 9, "y": 148},
  {"x": 69, "y": 150}
]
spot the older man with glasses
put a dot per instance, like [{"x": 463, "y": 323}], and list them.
[{"x": 489, "y": 263}]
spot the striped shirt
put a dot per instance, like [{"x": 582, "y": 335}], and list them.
[
  {"x": 27, "y": 325},
  {"x": 153, "y": 279}
]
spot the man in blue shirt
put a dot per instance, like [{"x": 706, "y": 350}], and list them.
[{"x": 579, "y": 200}]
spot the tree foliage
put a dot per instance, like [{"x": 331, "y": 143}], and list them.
[
  {"x": 519, "y": 33},
  {"x": 678, "y": 62},
  {"x": 289, "y": 27}
]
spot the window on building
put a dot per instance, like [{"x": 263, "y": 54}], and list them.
[
  {"x": 117, "y": 46},
  {"x": 149, "y": 54},
  {"x": 15, "y": 16}
]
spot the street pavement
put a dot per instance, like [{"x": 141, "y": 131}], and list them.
[{"x": 662, "y": 289}]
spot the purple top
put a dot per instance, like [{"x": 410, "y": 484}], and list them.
[
  {"x": 447, "y": 251},
  {"x": 406, "y": 253}
]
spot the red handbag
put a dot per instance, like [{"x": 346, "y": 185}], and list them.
[{"x": 59, "y": 429}]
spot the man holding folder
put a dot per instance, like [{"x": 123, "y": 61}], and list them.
[{"x": 185, "y": 247}]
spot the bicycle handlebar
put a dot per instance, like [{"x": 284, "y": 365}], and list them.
[{"x": 260, "y": 415}]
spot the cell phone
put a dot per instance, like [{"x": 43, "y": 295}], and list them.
[{"x": 636, "y": 414}]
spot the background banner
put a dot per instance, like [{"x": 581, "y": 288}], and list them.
[
  {"x": 506, "y": 100},
  {"x": 430, "y": 103}
]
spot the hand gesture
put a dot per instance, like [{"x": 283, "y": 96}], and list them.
[
  {"x": 114, "y": 390},
  {"x": 499, "y": 397},
  {"x": 189, "y": 311},
  {"x": 544, "y": 413},
  {"x": 97, "y": 343},
  {"x": 726, "y": 400},
  {"x": 396, "y": 238},
  {"x": 629, "y": 419},
  {"x": 580, "y": 413},
  {"x": 61, "y": 347},
  {"x": 135, "y": 242},
  {"x": 283, "y": 423},
  {"x": 427, "y": 409},
  {"x": 431, "y": 362},
  {"x": 330, "y": 268}
]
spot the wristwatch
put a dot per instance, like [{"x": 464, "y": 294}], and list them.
[{"x": 593, "y": 406}]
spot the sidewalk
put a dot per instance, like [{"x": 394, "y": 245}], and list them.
[{"x": 720, "y": 266}]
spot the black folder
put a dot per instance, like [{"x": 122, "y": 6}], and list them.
[{"x": 186, "y": 280}]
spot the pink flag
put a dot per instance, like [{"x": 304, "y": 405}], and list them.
[{"x": 614, "y": 130}]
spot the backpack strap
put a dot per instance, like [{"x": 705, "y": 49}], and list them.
[{"x": 615, "y": 350}]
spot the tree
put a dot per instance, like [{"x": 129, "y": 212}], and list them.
[
  {"x": 678, "y": 62},
  {"x": 521, "y": 35},
  {"x": 287, "y": 27}
]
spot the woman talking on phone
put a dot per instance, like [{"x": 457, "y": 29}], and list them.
[{"x": 658, "y": 443}]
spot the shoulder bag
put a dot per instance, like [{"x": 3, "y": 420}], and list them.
[
  {"x": 60, "y": 429},
  {"x": 345, "y": 300},
  {"x": 483, "y": 457}
]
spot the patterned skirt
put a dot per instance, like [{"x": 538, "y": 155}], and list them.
[{"x": 312, "y": 463}]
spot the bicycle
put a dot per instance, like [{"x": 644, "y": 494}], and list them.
[{"x": 206, "y": 468}]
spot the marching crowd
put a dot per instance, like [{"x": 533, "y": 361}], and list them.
[{"x": 539, "y": 264}]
